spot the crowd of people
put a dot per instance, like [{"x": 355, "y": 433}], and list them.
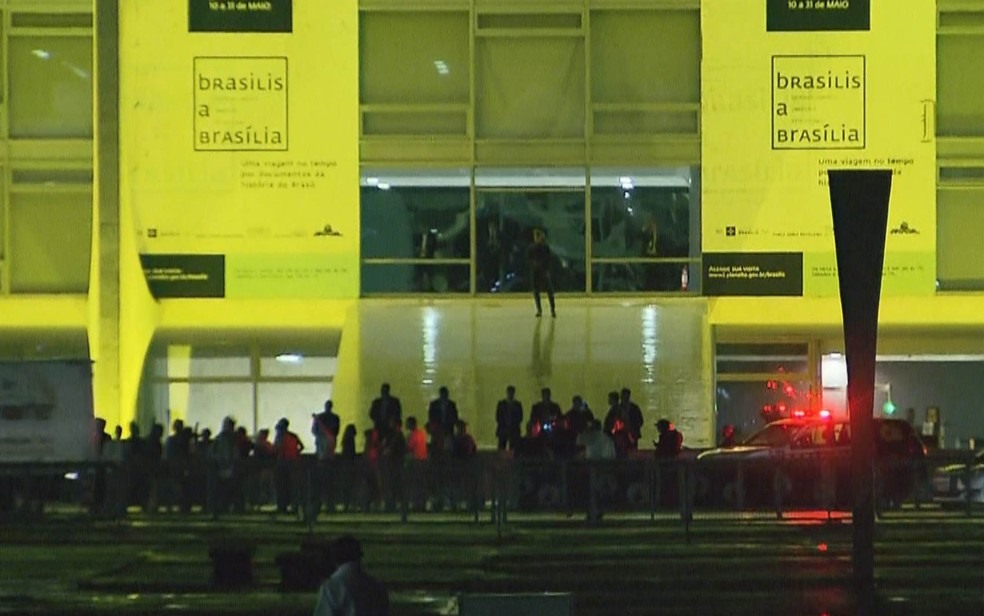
[{"x": 230, "y": 470}]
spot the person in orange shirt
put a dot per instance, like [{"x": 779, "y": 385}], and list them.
[
  {"x": 416, "y": 440},
  {"x": 417, "y": 475}
]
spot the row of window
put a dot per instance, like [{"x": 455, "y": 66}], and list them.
[{"x": 636, "y": 232}]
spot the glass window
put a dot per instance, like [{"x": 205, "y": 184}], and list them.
[
  {"x": 960, "y": 85},
  {"x": 751, "y": 405},
  {"x": 416, "y": 215},
  {"x": 960, "y": 226},
  {"x": 628, "y": 76},
  {"x": 295, "y": 401},
  {"x": 520, "y": 99},
  {"x": 640, "y": 221},
  {"x": 50, "y": 87},
  {"x": 643, "y": 214},
  {"x": 504, "y": 233},
  {"x": 412, "y": 58},
  {"x": 207, "y": 366},
  {"x": 666, "y": 69},
  {"x": 412, "y": 218},
  {"x": 40, "y": 220},
  {"x": 639, "y": 277},
  {"x": 297, "y": 365},
  {"x": 414, "y": 278},
  {"x": 209, "y": 403},
  {"x": 773, "y": 359}
]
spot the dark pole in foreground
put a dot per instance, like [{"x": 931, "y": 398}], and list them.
[{"x": 859, "y": 201}]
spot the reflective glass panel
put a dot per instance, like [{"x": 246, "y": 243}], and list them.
[
  {"x": 296, "y": 402},
  {"x": 640, "y": 277},
  {"x": 415, "y": 216},
  {"x": 414, "y": 278},
  {"x": 208, "y": 403},
  {"x": 50, "y": 87},
  {"x": 749, "y": 406},
  {"x": 640, "y": 221},
  {"x": 504, "y": 233}
]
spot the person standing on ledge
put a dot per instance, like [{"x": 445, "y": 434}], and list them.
[{"x": 540, "y": 258}]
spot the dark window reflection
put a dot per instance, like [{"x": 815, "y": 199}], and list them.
[
  {"x": 640, "y": 222},
  {"x": 408, "y": 278},
  {"x": 637, "y": 277},
  {"x": 504, "y": 231},
  {"x": 749, "y": 406},
  {"x": 415, "y": 223}
]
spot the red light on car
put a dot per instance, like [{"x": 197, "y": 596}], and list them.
[
  {"x": 781, "y": 408},
  {"x": 824, "y": 414},
  {"x": 789, "y": 389},
  {"x": 822, "y": 547}
]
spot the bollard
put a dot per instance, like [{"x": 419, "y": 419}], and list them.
[
  {"x": 594, "y": 511},
  {"x": 968, "y": 477},
  {"x": 685, "y": 494},
  {"x": 656, "y": 493},
  {"x": 740, "y": 488},
  {"x": 777, "y": 489}
]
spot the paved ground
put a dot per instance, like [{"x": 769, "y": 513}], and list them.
[{"x": 928, "y": 563}]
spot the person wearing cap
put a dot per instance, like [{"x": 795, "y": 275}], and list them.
[
  {"x": 670, "y": 442},
  {"x": 350, "y": 591}
]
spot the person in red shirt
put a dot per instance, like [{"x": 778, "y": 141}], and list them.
[
  {"x": 288, "y": 447},
  {"x": 416, "y": 440}
]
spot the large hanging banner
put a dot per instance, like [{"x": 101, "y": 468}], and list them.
[
  {"x": 790, "y": 89},
  {"x": 239, "y": 144}
]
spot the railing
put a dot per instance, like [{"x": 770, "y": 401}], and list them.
[{"x": 489, "y": 486}]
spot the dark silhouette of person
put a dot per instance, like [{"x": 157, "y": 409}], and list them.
[
  {"x": 464, "y": 446},
  {"x": 442, "y": 415},
  {"x": 540, "y": 259},
  {"x": 331, "y": 419},
  {"x": 348, "y": 442},
  {"x": 384, "y": 408},
  {"x": 578, "y": 416},
  {"x": 617, "y": 427},
  {"x": 222, "y": 477},
  {"x": 350, "y": 591},
  {"x": 101, "y": 437},
  {"x": 509, "y": 420},
  {"x": 544, "y": 415},
  {"x": 632, "y": 416},
  {"x": 670, "y": 442},
  {"x": 612, "y": 416}
]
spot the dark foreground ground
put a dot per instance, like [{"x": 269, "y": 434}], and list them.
[{"x": 928, "y": 563}]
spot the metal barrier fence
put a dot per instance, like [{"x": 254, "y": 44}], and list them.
[{"x": 490, "y": 486}]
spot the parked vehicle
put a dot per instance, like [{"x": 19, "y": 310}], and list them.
[
  {"x": 952, "y": 482},
  {"x": 806, "y": 462}
]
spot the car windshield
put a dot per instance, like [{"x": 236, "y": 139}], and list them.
[{"x": 773, "y": 435}]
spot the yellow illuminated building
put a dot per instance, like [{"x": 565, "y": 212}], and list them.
[{"x": 245, "y": 208}]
